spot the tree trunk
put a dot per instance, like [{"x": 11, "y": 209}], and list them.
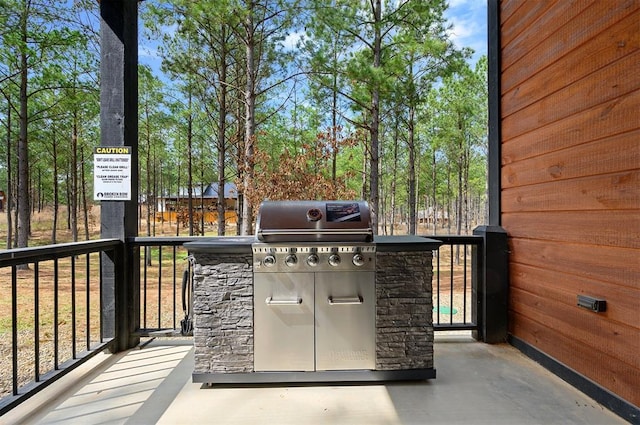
[
  {"x": 222, "y": 130},
  {"x": 375, "y": 122},
  {"x": 56, "y": 196},
  {"x": 394, "y": 173},
  {"x": 465, "y": 188},
  {"x": 85, "y": 207},
  {"x": 459, "y": 211},
  {"x": 176, "y": 208},
  {"x": 434, "y": 176},
  {"x": 33, "y": 200},
  {"x": 365, "y": 173},
  {"x": 15, "y": 213},
  {"x": 412, "y": 173},
  {"x": 202, "y": 207},
  {"x": 239, "y": 163},
  {"x": 220, "y": 205},
  {"x": 334, "y": 123},
  {"x": 9, "y": 194},
  {"x": 448, "y": 200},
  {"x": 23, "y": 207},
  {"x": 74, "y": 178},
  {"x": 37, "y": 193},
  {"x": 250, "y": 124},
  {"x": 147, "y": 136},
  {"x": 161, "y": 193},
  {"x": 154, "y": 190},
  {"x": 190, "y": 166},
  {"x": 67, "y": 188}
]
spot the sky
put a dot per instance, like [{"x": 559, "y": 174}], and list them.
[{"x": 469, "y": 20}]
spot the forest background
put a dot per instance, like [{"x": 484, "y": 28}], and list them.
[{"x": 287, "y": 99}]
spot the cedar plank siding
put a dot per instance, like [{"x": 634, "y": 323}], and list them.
[{"x": 570, "y": 182}]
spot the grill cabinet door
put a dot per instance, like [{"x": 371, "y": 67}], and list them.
[
  {"x": 345, "y": 321},
  {"x": 283, "y": 322}
]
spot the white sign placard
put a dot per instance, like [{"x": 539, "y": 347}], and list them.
[{"x": 112, "y": 173}]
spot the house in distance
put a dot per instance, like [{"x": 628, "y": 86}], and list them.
[{"x": 205, "y": 200}]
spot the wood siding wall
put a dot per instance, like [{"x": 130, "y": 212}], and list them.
[{"x": 571, "y": 182}]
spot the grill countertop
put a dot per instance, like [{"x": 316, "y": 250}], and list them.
[
  {"x": 242, "y": 244},
  {"x": 222, "y": 244}
]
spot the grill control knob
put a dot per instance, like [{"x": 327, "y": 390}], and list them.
[
  {"x": 269, "y": 261},
  {"x": 358, "y": 260},
  {"x": 313, "y": 260},
  {"x": 334, "y": 259},
  {"x": 291, "y": 260}
]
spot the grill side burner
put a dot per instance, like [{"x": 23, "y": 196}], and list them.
[{"x": 314, "y": 278}]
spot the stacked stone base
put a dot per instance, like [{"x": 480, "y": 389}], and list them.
[
  {"x": 404, "y": 319},
  {"x": 223, "y": 313}
]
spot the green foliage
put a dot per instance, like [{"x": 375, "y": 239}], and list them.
[{"x": 388, "y": 81}]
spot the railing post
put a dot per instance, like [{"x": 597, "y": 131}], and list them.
[
  {"x": 119, "y": 127},
  {"x": 491, "y": 296}
]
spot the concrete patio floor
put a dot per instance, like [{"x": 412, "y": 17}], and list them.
[{"x": 476, "y": 384}]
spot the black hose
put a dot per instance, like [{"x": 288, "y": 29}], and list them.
[
  {"x": 185, "y": 280},
  {"x": 186, "y": 324}
]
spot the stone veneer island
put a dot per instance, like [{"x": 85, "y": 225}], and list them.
[{"x": 223, "y": 313}]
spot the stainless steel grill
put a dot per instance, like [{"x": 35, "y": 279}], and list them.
[
  {"x": 307, "y": 221},
  {"x": 314, "y": 286}
]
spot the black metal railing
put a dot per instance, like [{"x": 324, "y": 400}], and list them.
[
  {"x": 454, "y": 277},
  {"x": 55, "y": 318},
  {"x": 52, "y": 322},
  {"x": 164, "y": 272},
  {"x": 163, "y": 262}
]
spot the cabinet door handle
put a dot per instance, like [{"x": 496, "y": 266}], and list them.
[
  {"x": 271, "y": 301},
  {"x": 345, "y": 300}
]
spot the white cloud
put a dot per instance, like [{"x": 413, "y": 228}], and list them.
[
  {"x": 467, "y": 4},
  {"x": 469, "y": 25},
  {"x": 290, "y": 41},
  {"x": 463, "y": 29},
  {"x": 453, "y": 4}
]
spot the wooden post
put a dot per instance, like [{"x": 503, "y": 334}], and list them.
[{"x": 119, "y": 127}]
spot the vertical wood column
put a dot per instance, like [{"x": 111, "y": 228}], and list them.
[{"x": 119, "y": 127}]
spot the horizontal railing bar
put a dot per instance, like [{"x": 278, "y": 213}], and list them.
[
  {"x": 455, "y": 327},
  {"x": 179, "y": 240},
  {"x": 456, "y": 239},
  {"x": 163, "y": 240},
  {"x": 50, "y": 252},
  {"x": 152, "y": 331}
]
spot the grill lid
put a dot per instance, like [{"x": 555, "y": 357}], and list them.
[{"x": 314, "y": 221}]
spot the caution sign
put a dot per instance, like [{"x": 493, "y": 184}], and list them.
[{"x": 112, "y": 173}]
